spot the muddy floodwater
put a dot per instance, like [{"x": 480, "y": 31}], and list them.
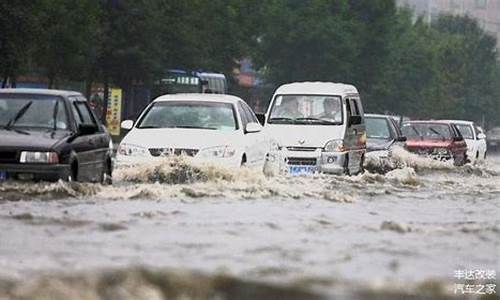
[{"x": 208, "y": 233}]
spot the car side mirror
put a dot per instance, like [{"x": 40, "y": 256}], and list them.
[
  {"x": 127, "y": 124},
  {"x": 481, "y": 136},
  {"x": 261, "y": 118},
  {"x": 253, "y": 127},
  {"x": 86, "y": 129},
  {"x": 401, "y": 138},
  {"x": 458, "y": 139},
  {"x": 354, "y": 120}
]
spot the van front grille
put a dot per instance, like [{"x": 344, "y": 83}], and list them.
[{"x": 302, "y": 161}]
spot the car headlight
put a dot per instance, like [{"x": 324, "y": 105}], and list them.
[
  {"x": 39, "y": 157},
  {"x": 334, "y": 146},
  {"x": 218, "y": 152},
  {"x": 132, "y": 150}
]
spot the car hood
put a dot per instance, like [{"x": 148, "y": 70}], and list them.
[
  {"x": 378, "y": 144},
  {"x": 304, "y": 135},
  {"x": 427, "y": 144},
  {"x": 31, "y": 139},
  {"x": 180, "y": 138}
]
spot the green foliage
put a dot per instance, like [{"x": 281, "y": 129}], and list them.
[{"x": 447, "y": 69}]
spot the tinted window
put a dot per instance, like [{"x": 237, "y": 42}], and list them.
[{"x": 250, "y": 114}]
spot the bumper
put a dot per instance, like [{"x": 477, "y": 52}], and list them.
[
  {"x": 313, "y": 161},
  {"x": 128, "y": 161},
  {"x": 36, "y": 171}
]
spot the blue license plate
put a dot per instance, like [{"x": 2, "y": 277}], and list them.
[
  {"x": 3, "y": 175},
  {"x": 295, "y": 170}
]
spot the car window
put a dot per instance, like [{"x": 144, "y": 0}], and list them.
[
  {"x": 33, "y": 111},
  {"x": 243, "y": 115},
  {"x": 355, "y": 111},
  {"x": 466, "y": 131},
  {"x": 83, "y": 114},
  {"x": 432, "y": 131},
  {"x": 189, "y": 114},
  {"x": 250, "y": 114},
  {"x": 377, "y": 128},
  {"x": 307, "y": 109}
]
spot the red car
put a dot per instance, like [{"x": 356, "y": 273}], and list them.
[{"x": 437, "y": 139}]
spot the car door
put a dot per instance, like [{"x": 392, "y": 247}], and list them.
[
  {"x": 354, "y": 132},
  {"x": 249, "y": 139},
  {"x": 92, "y": 147},
  {"x": 258, "y": 142}
]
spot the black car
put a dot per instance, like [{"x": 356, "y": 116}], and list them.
[
  {"x": 51, "y": 135},
  {"x": 382, "y": 131}
]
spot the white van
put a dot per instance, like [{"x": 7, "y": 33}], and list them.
[{"x": 319, "y": 127}]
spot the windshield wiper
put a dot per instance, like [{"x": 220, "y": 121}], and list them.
[
  {"x": 317, "y": 120},
  {"x": 195, "y": 127},
  {"x": 148, "y": 127},
  {"x": 18, "y": 115},
  {"x": 279, "y": 119}
]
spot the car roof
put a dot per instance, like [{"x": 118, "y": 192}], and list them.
[
  {"x": 442, "y": 122},
  {"x": 378, "y": 116},
  {"x": 460, "y": 122},
  {"x": 199, "y": 97},
  {"x": 316, "y": 88},
  {"x": 40, "y": 92}
]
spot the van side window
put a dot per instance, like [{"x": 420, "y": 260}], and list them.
[
  {"x": 348, "y": 108},
  {"x": 354, "y": 107}
]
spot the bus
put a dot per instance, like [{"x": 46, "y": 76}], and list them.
[{"x": 180, "y": 81}]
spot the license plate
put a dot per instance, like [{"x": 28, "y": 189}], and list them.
[
  {"x": 3, "y": 175},
  {"x": 301, "y": 170}
]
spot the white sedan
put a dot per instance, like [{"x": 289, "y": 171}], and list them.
[
  {"x": 219, "y": 129},
  {"x": 474, "y": 138}
]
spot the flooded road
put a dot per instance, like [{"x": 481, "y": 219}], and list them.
[{"x": 329, "y": 235}]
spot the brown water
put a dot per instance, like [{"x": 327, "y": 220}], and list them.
[{"x": 366, "y": 236}]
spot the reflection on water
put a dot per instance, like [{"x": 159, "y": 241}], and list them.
[{"x": 386, "y": 233}]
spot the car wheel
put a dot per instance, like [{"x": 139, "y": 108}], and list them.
[
  {"x": 106, "y": 176},
  {"x": 73, "y": 176}
]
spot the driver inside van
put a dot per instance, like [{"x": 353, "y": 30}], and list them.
[
  {"x": 289, "y": 109},
  {"x": 331, "y": 109}
]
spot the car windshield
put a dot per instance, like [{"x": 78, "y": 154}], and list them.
[
  {"x": 466, "y": 131},
  {"x": 190, "y": 114},
  {"x": 427, "y": 131},
  {"x": 377, "y": 128},
  {"x": 306, "y": 109},
  {"x": 46, "y": 112}
]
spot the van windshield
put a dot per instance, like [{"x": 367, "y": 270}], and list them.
[{"x": 306, "y": 109}]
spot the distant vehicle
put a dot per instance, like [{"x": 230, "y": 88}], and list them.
[
  {"x": 437, "y": 139},
  {"x": 214, "y": 83},
  {"x": 493, "y": 138},
  {"x": 474, "y": 138},
  {"x": 319, "y": 127},
  {"x": 51, "y": 135},
  {"x": 180, "y": 81},
  {"x": 382, "y": 133},
  {"x": 219, "y": 129}
]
